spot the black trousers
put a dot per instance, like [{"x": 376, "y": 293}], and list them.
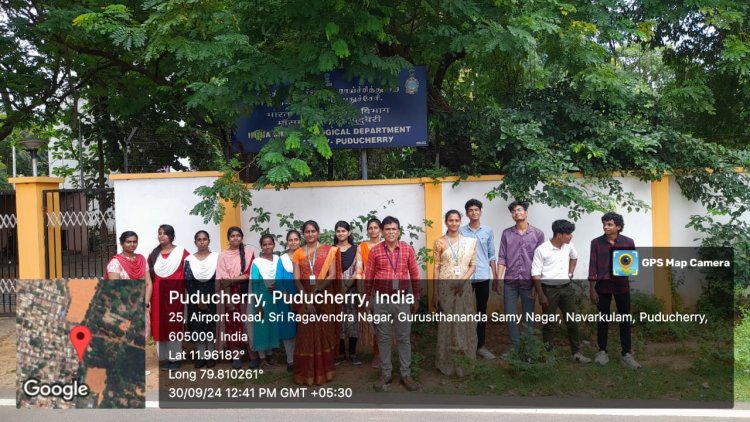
[
  {"x": 482, "y": 293},
  {"x": 622, "y": 302}
]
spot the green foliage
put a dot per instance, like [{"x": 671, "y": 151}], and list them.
[
  {"x": 67, "y": 149},
  {"x": 713, "y": 360},
  {"x": 23, "y": 157},
  {"x": 227, "y": 188},
  {"x": 657, "y": 331},
  {"x": 742, "y": 342},
  {"x": 724, "y": 193},
  {"x": 531, "y": 360},
  {"x": 718, "y": 294},
  {"x": 417, "y": 363},
  {"x": 260, "y": 223},
  {"x": 533, "y": 90},
  {"x": 741, "y": 368}
]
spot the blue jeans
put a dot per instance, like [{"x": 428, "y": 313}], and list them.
[{"x": 511, "y": 295}]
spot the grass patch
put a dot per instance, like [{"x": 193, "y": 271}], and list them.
[
  {"x": 742, "y": 358},
  {"x": 613, "y": 381},
  {"x": 742, "y": 385},
  {"x": 656, "y": 331},
  {"x": 697, "y": 368},
  {"x": 531, "y": 361}
]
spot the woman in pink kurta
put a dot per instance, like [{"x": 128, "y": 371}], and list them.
[
  {"x": 166, "y": 263},
  {"x": 127, "y": 265},
  {"x": 232, "y": 276}
]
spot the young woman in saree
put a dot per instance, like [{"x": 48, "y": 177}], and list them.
[{"x": 315, "y": 271}]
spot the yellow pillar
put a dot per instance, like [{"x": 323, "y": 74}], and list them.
[
  {"x": 31, "y": 228},
  {"x": 661, "y": 239},
  {"x": 231, "y": 218},
  {"x": 433, "y": 211}
]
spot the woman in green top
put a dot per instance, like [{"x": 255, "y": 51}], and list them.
[{"x": 263, "y": 282}]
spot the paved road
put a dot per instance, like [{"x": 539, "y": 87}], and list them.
[
  {"x": 11, "y": 414},
  {"x": 8, "y": 412}
]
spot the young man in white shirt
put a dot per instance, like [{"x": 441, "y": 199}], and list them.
[{"x": 552, "y": 271}]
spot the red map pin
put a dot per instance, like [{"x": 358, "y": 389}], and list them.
[{"x": 80, "y": 336}]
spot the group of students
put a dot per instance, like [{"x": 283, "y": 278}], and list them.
[
  {"x": 313, "y": 348},
  {"x": 464, "y": 263},
  {"x": 530, "y": 268}
]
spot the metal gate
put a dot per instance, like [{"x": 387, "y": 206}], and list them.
[
  {"x": 8, "y": 252},
  {"x": 80, "y": 231}
]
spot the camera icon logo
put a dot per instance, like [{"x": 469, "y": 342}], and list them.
[{"x": 625, "y": 263}]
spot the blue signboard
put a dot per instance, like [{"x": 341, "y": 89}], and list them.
[{"x": 388, "y": 117}]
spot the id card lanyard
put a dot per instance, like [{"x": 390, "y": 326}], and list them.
[
  {"x": 394, "y": 268},
  {"x": 456, "y": 268},
  {"x": 311, "y": 264}
]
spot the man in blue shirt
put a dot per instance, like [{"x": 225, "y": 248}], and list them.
[{"x": 485, "y": 267}]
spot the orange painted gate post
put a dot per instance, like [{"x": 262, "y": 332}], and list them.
[{"x": 30, "y": 215}]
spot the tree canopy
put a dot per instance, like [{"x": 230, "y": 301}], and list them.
[{"x": 536, "y": 90}]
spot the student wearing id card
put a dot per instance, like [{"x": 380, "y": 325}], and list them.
[
  {"x": 315, "y": 268},
  {"x": 455, "y": 258}
]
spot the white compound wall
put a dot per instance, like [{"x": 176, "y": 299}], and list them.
[{"x": 143, "y": 202}]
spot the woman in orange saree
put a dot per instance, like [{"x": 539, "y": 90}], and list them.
[{"x": 316, "y": 267}]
